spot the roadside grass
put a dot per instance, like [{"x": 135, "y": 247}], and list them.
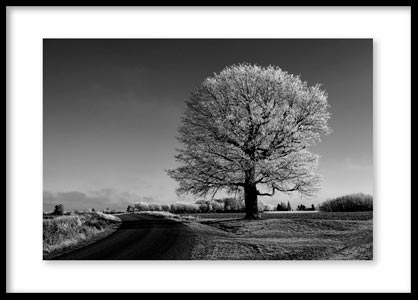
[
  {"x": 297, "y": 236},
  {"x": 64, "y": 233}
]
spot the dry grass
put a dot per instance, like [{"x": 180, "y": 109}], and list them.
[
  {"x": 318, "y": 236},
  {"x": 65, "y": 233}
]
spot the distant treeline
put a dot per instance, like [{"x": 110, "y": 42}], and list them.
[
  {"x": 200, "y": 206},
  {"x": 207, "y": 206},
  {"x": 348, "y": 203},
  {"x": 59, "y": 211},
  {"x": 354, "y": 202}
]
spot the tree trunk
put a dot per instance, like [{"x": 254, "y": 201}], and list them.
[
  {"x": 250, "y": 190},
  {"x": 251, "y": 203}
]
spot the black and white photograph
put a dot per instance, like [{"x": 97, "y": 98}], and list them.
[{"x": 207, "y": 149}]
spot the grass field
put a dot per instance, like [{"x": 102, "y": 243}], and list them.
[
  {"x": 284, "y": 236},
  {"x": 291, "y": 215},
  {"x": 65, "y": 233}
]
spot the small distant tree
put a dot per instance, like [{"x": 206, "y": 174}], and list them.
[
  {"x": 218, "y": 205},
  {"x": 141, "y": 206},
  {"x": 154, "y": 207},
  {"x": 281, "y": 206},
  {"x": 165, "y": 207},
  {"x": 301, "y": 207},
  {"x": 249, "y": 127},
  {"x": 289, "y": 208},
  {"x": 58, "y": 210},
  {"x": 234, "y": 204},
  {"x": 312, "y": 207},
  {"x": 268, "y": 207}
]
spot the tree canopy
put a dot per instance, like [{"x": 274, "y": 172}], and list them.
[{"x": 248, "y": 127}]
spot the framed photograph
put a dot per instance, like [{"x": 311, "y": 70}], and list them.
[{"x": 178, "y": 151}]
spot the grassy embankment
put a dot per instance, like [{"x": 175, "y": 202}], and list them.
[
  {"x": 284, "y": 236},
  {"x": 65, "y": 233}
]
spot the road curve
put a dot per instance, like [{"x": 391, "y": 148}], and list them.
[{"x": 140, "y": 237}]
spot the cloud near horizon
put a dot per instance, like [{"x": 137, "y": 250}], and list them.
[{"x": 99, "y": 200}]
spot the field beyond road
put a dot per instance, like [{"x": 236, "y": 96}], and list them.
[{"x": 284, "y": 236}]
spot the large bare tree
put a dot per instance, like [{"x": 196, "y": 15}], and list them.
[{"x": 248, "y": 128}]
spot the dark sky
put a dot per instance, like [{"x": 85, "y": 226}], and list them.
[{"x": 112, "y": 109}]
